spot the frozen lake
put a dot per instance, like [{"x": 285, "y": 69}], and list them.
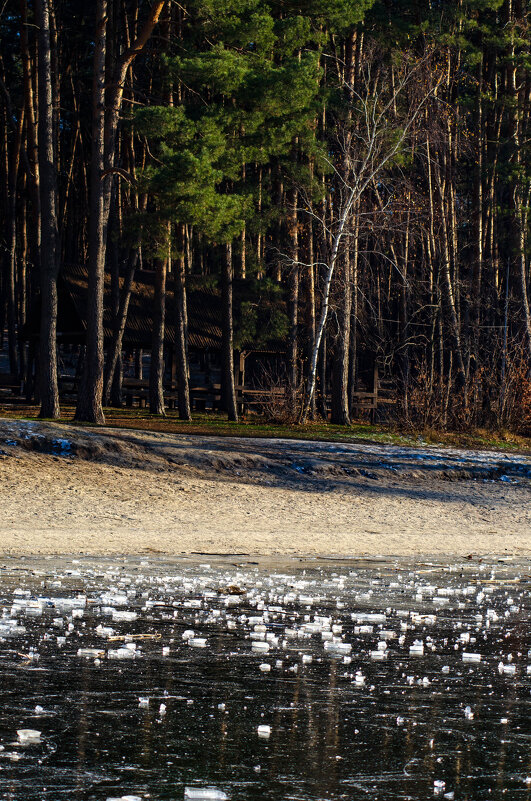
[{"x": 214, "y": 677}]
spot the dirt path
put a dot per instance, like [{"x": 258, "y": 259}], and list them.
[{"x": 72, "y": 490}]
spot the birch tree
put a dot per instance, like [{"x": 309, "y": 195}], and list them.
[{"x": 364, "y": 150}]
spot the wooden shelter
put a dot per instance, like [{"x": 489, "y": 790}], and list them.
[
  {"x": 258, "y": 368},
  {"x": 204, "y": 332}
]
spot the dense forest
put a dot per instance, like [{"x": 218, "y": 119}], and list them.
[{"x": 349, "y": 177}]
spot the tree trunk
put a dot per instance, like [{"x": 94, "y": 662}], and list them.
[
  {"x": 322, "y": 405},
  {"x": 293, "y": 301},
  {"x": 139, "y": 364},
  {"x": 520, "y": 226},
  {"x": 227, "y": 345},
  {"x": 105, "y": 124},
  {"x": 340, "y": 406},
  {"x": 49, "y": 391},
  {"x": 32, "y": 136},
  {"x": 340, "y": 414},
  {"x": 115, "y": 348},
  {"x": 310, "y": 330},
  {"x": 115, "y": 99},
  {"x": 353, "y": 355},
  {"x": 447, "y": 287},
  {"x": 181, "y": 338},
  {"x": 329, "y": 273},
  {"x": 156, "y": 370},
  {"x": 478, "y": 261},
  {"x": 519, "y": 212},
  {"x": 116, "y": 398},
  {"x": 22, "y": 293},
  {"x": 113, "y": 256},
  {"x": 12, "y": 170},
  {"x": 404, "y": 315},
  {"x": 89, "y": 403}
]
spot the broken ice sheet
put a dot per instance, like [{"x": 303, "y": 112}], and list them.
[{"x": 163, "y": 709}]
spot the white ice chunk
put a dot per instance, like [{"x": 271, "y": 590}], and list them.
[
  {"x": 119, "y": 615},
  {"x": 104, "y": 631},
  {"x": 467, "y": 657},
  {"x": 125, "y": 798},
  {"x": 205, "y": 794},
  {"x": 338, "y": 647},
  {"x": 10, "y": 628},
  {"x": 113, "y": 599},
  {"x": 378, "y": 656},
  {"x": 258, "y": 645},
  {"x": 28, "y": 736},
  {"x": 508, "y": 670},
  {"x": 121, "y": 653},
  {"x": 369, "y": 617}
]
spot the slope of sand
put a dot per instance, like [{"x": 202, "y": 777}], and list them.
[{"x": 84, "y": 491}]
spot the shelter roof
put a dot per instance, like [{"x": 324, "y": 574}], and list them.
[{"x": 203, "y": 306}]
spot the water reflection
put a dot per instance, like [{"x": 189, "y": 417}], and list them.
[{"x": 382, "y": 680}]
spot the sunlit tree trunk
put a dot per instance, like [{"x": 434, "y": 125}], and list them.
[
  {"x": 156, "y": 370},
  {"x": 181, "y": 335},
  {"x": 293, "y": 347},
  {"x": 340, "y": 414},
  {"x": 227, "y": 345}
]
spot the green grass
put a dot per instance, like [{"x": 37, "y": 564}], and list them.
[{"x": 216, "y": 424}]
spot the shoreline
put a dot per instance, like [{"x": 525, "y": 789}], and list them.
[{"x": 105, "y": 492}]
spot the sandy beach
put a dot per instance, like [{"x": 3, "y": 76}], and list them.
[{"x": 66, "y": 489}]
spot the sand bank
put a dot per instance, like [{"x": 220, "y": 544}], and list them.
[{"x": 66, "y": 489}]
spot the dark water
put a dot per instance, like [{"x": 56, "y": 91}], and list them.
[{"x": 343, "y": 725}]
